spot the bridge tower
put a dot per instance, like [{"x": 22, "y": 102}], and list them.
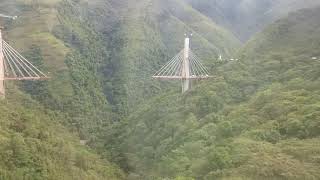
[{"x": 185, "y": 66}]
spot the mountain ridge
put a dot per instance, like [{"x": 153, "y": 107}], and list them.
[
  {"x": 258, "y": 121},
  {"x": 252, "y": 124},
  {"x": 247, "y": 17}
]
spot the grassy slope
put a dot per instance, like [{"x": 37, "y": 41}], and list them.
[
  {"x": 260, "y": 122},
  {"x": 34, "y": 27},
  {"x": 72, "y": 53},
  {"x": 33, "y": 142}
]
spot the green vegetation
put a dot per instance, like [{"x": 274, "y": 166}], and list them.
[
  {"x": 151, "y": 32},
  {"x": 259, "y": 119},
  {"x": 35, "y": 146},
  {"x": 40, "y": 138},
  {"x": 246, "y": 17}
]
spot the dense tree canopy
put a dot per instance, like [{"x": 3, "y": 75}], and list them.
[{"x": 101, "y": 116}]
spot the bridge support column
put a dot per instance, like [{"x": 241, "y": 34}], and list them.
[
  {"x": 2, "y": 75},
  {"x": 186, "y": 84}
]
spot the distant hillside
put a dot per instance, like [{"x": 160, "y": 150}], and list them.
[
  {"x": 246, "y": 17},
  {"x": 145, "y": 35},
  {"x": 260, "y": 121}
]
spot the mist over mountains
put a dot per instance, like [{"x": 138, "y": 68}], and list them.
[
  {"x": 102, "y": 116},
  {"x": 246, "y": 17}
]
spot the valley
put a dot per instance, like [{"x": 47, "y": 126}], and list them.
[{"x": 257, "y": 119}]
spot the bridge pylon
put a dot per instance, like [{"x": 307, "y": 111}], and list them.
[{"x": 185, "y": 66}]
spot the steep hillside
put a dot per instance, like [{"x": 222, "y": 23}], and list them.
[
  {"x": 125, "y": 43},
  {"x": 261, "y": 121},
  {"x": 58, "y": 36},
  {"x": 42, "y": 121},
  {"x": 147, "y": 35},
  {"x": 34, "y": 145},
  {"x": 246, "y": 17},
  {"x": 100, "y": 56},
  {"x": 258, "y": 120}
]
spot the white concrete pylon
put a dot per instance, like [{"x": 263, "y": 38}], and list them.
[
  {"x": 2, "y": 87},
  {"x": 185, "y": 66}
]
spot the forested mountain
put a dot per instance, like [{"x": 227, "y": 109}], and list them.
[
  {"x": 148, "y": 33},
  {"x": 100, "y": 55},
  {"x": 258, "y": 119},
  {"x": 246, "y": 17},
  {"x": 42, "y": 122}
]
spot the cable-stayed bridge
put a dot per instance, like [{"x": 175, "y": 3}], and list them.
[
  {"x": 13, "y": 66},
  {"x": 185, "y": 66}
]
